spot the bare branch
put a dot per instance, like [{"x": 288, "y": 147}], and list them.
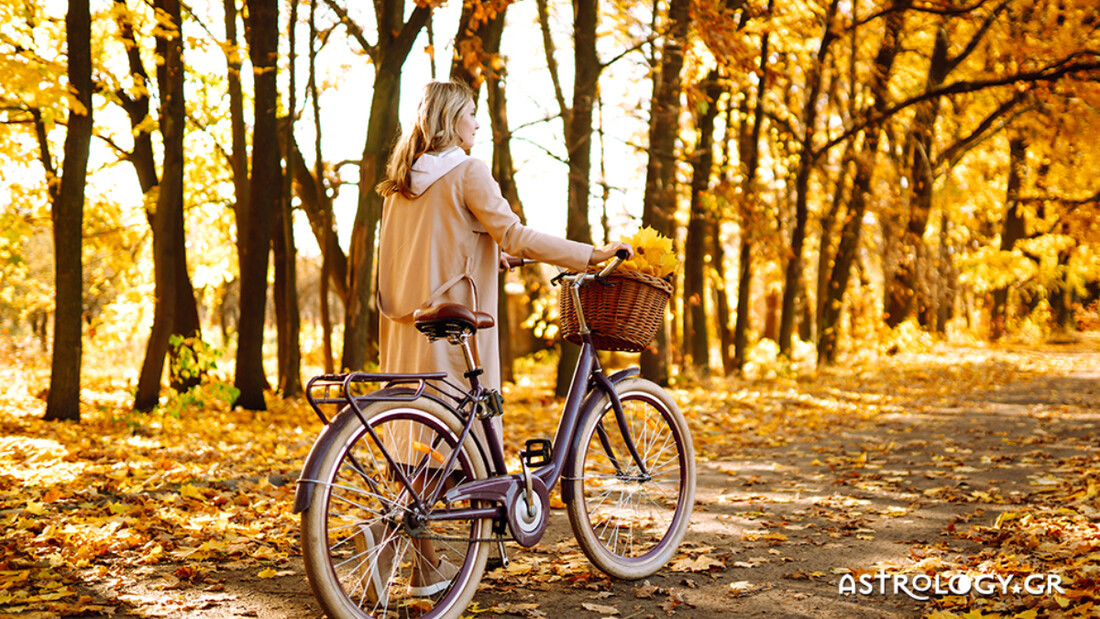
[
  {"x": 532, "y": 123},
  {"x": 217, "y": 143},
  {"x": 354, "y": 30},
  {"x": 405, "y": 39},
  {"x": 1051, "y": 73},
  {"x": 978, "y": 36},
  {"x": 634, "y": 48},
  {"x": 950, "y": 153},
  {"x": 542, "y": 148},
  {"x": 929, "y": 8},
  {"x": 551, "y": 63}
]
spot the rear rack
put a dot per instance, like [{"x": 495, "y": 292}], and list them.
[{"x": 343, "y": 384}]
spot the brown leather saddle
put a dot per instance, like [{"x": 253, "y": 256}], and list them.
[{"x": 442, "y": 321}]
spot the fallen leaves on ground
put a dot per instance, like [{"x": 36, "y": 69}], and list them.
[
  {"x": 201, "y": 488},
  {"x": 178, "y": 498}
]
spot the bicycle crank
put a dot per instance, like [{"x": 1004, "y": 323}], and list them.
[{"x": 523, "y": 497}]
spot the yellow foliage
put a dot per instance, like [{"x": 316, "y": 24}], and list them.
[{"x": 653, "y": 253}]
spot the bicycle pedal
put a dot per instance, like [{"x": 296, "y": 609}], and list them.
[{"x": 537, "y": 452}]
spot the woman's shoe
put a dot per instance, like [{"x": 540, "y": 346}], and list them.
[
  {"x": 375, "y": 554},
  {"x": 428, "y": 582}
]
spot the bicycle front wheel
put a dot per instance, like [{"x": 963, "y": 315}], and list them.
[
  {"x": 629, "y": 515},
  {"x": 368, "y": 551}
]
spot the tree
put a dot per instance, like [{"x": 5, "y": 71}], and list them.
[
  {"x": 906, "y": 291},
  {"x": 861, "y": 187},
  {"x": 793, "y": 275},
  {"x": 749, "y": 211},
  {"x": 285, "y": 289},
  {"x": 255, "y": 237},
  {"x": 175, "y": 311},
  {"x": 577, "y": 119},
  {"x": 696, "y": 340},
  {"x": 1012, "y": 227},
  {"x": 63, "y": 402},
  {"x": 659, "y": 203},
  {"x": 326, "y": 239}
]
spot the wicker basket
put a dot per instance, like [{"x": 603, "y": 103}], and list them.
[{"x": 623, "y": 315}]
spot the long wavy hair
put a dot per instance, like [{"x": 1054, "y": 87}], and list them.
[{"x": 434, "y": 130}]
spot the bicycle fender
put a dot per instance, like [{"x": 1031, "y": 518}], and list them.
[
  {"x": 587, "y": 408},
  {"x": 303, "y": 494}
]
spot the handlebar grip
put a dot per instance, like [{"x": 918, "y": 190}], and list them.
[
  {"x": 514, "y": 262},
  {"x": 622, "y": 254}
]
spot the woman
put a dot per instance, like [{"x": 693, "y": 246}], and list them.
[{"x": 444, "y": 224}]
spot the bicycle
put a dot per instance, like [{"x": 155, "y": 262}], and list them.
[{"x": 394, "y": 480}]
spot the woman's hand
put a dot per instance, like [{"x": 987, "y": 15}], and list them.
[
  {"x": 599, "y": 254},
  {"x": 508, "y": 262}
]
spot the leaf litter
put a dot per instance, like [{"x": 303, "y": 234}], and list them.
[{"x": 802, "y": 472}]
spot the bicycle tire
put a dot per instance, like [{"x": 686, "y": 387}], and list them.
[
  {"x": 627, "y": 525},
  {"x": 357, "y": 497}
]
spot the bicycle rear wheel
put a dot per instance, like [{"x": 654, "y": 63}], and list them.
[
  {"x": 630, "y": 519},
  {"x": 367, "y": 552}
]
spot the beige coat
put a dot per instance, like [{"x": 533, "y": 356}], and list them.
[{"x": 443, "y": 246}]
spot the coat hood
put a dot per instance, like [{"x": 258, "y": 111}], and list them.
[{"x": 430, "y": 167}]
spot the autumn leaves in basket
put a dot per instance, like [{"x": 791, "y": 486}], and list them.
[{"x": 653, "y": 254}]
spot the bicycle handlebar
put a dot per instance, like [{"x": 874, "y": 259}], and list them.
[
  {"x": 578, "y": 279},
  {"x": 620, "y": 255},
  {"x": 514, "y": 262}
]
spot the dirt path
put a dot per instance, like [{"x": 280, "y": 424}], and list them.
[{"x": 936, "y": 445}]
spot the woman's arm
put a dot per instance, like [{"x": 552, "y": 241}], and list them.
[{"x": 483, "y": 198}]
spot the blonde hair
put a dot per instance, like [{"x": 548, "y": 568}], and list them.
[{"x": 435, "y": 129}]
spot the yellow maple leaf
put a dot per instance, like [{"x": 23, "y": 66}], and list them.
[
  {"x": 268, "y": 573},
  {"x": 653, "y": 253},
  {"x": 191, "y": 492}
]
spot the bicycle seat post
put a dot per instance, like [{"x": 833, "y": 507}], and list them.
[{"x": 469, "y": 353}]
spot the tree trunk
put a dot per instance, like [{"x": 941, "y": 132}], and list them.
[
  {"x": 946, "y": 278},
  {"x": 696, "y": 337},
  {"x": 310, "y": 189},
  {"x": 137, "y": 104},
  {"x": 721, "y": 297},
  {"x": 285, "y": 291},
  {"x": 505, "y": 173},
  {"x": 327, "y": 237},
  {"x": 287, "y": 316},
  {"x": 266, "y": 182},
  {"x": 659, "y": 202},
  {"x": 578, "y": 140},
  {"x": 750, "y": 163},
  {"x": 63, "y": 401},
  {"x": 1012, "y": 229},
  {"x": 239, "y": 138},
  {"x": 906, "y": 294},
  {"x": 846, "y": 253},
  {"x": 1060, "y": 297},
  {"x": 826, "y": 252},
  {"x": 793, "y": 280},
  {"x": 175, "y": 311},
  {"x": 395, "y": 39}
]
